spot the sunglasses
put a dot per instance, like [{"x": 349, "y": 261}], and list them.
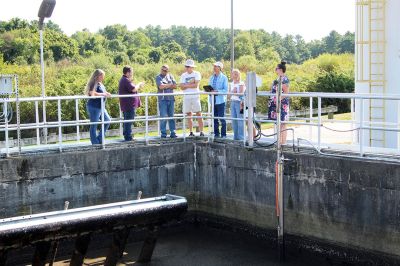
[
  {"x": 277, "y": 68},
  {"x": 164, "y": 70}
]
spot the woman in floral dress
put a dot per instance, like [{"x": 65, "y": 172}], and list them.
[{"x": 280, "y": 70}]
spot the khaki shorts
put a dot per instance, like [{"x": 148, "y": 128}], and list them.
[{"x": 191, "y": 105}]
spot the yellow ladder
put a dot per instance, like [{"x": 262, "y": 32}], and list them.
[{"x": 377, "y": 62}]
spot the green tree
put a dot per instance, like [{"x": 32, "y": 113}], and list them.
[{"x": 243, "y": 45}]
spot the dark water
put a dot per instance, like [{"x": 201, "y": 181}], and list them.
[{"x": 203, "y": 246}]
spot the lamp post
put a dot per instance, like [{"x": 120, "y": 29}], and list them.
[
  {"x": 232, "y": 39},
  {"x": 45, "y": 11}
]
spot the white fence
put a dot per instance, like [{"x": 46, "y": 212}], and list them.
[{"x": 358, "y": 124}]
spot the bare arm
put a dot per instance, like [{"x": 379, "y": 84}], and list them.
[
  {"x": 95, "y": 93},
  {"x": 193, "y": 85}
]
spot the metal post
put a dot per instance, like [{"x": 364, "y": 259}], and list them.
[
  {"x": 81, "y": 247},
  {"x": 361, "y": 127},
  {"x": 43, "y": 85},
  {"x": 158, "y": 121},
  {"x": 209, "y": 118},
  {"x": 78, "y": 136},
  {"x": 147, "y": 119},
  {"x": 244, "y": 123},
  {"x": 311, "y": 120},
  {"x": 232, "y": 39},
  {"x": 121, "y": 117},
  {"x": 279, "y": 176},
  {"x": 148, "y": 246},
  {"x": 59, "y": 125},
  {"x": 116, "y": 251},
  {"x": 6, "y": 126},
  {"x": 37, "y": 122},
  {"x": 251, "y": 96},
  {"x": 40, "y": 255},
  {"x": 184, "y": 119},
  {"x": 212, "y": 115},
  {"x": 103, "y": 108},
  {"x": 319, "y": 122},
  {"x": 18, "y": 115}
]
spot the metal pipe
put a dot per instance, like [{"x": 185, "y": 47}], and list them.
[
  {"x": 146, "y": 110},
  {"x": 18, "y": 231},
  {"x": 232, "y": 39},
  {"x": 279, "y": 174},
  {"x": 37, "y": 122},
  {"x": 103, "y": 108},
  {"x": 319, "y": 122},
  {"x": 78, "y": 136},
  {"x": 43, "y": 84},
  {"x": 59, "y": 125}
]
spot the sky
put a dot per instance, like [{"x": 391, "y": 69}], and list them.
[{"x": 312, "y": 19}]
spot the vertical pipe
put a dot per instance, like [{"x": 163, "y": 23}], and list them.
[
  {"x": 59, "y": 125},
  {"x": 43, "y": 85},
  {"x": 184, "y": 119},
  {"x": 212, "y": 115},
  {"x": 158, "y": 121},
  {"x": 244, "y": 122},
  {"x": 78, "y": 136},
  {"x": 310, "y": 116},
  {"x": 121, "y": 132},
  {"x": 209, "y": 121},
  {"x": 279, "y": 175},
  {"x": 37, "y": 123},
  {"x": 6, "y": 126},
  {"x": 147, "y": 118},
  {"x": 18, "y": 115},
  {"x": 361, "y": 127},
  {"x": 319, "y": 122},
  {"x": 232, "y": 39},
  {"x": 103, "y": 108}
]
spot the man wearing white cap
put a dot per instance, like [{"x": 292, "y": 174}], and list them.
[
  {"x": 189, "y": 83},
  {"x": 219, "y": 82}
]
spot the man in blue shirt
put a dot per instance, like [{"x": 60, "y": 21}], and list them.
[
  {"x": 166, "y": 84},
  {"x": 219, "y": 82}
]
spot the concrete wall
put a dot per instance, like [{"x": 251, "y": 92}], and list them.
[
  {"x": 41, "y": 183},
  {"x": 348, "y": 202}
]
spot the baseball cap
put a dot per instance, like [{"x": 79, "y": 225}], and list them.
[
  {"x": 219, "y": 64},
  {"x": 190, "y": 63}
]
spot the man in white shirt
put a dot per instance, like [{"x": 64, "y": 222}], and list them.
[{"x": 189, "y": 83}]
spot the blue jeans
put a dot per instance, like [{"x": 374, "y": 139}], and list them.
[
  {"x": 95, "y": 116},
  {"x": 166, "y": 108},
  {"x": 128, "y": 115},
  {"x": 219, "y": 111},
  {"x": 237, "y": 125}
]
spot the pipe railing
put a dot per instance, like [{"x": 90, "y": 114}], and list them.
[{"x": 310, "y": 120}]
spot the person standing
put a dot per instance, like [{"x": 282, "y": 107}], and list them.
[
  {"x": 128, "y": 104},
  {"x": 166, "y": 84},
  {"x": 219, "y": 82},
  {"x": 280, "y": 70},
  {"x": 237, "y": 86},
  {"x": 95, "y": 87},
  {"x": 189, "y": 83}
]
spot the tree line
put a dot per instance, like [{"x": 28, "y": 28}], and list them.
[{"x": 19, "y": 44}]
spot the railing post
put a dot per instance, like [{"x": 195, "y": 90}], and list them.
[
  {"x": 78, "y": 136},
  {"x": 245, "y": 132},
  {"x": 6, "y": 126},
  {"x": 361, "y": 127},
  {"x": 59, "y": 125},
  {"x": 209, "y": 121},
  {"x": 184, "y": 119},
  {"x": 212, "y": 115},
  {"x": 319, "y": 122},
  {"x": 37, "y": 123},
  {"x": 147, "y": 119},
  {"x": 121, "y": 118},
  {"x": 103, "y": 108},
  {"x": 251, "y": 99},
  {"x": 158, "y": 120},
  {"x": 311, "y": 119}
]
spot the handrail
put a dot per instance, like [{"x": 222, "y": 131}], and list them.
[{"x": 318, "y": 122}]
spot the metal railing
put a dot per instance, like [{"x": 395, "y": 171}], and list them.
[{"x": 359, "y": 125}]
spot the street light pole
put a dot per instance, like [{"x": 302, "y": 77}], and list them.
[
  {"x": 232, "y": 39},
  {"x": 45, "y": 11}
]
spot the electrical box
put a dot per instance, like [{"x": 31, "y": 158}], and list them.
[{"x": 6, "y": 85}]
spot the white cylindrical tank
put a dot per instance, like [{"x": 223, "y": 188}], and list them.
[{"x": 377, "y": 64}]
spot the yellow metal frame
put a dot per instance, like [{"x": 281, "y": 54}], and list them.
[{"x": 375, "y": 44}]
